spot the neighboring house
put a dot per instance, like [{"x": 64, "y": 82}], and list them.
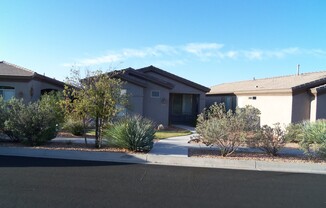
[
  {"x": 163, "y": 97},
  {"x": 287, "y": 99},
  {"x": 16, "y": 81}
]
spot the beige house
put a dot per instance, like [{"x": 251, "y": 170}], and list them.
[
  {"x": 163, "y": 97},
  {"x": 19, "y": 82},
  {"x": 286, "y": 99}
]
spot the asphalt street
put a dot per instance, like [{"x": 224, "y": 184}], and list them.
[{"x": 40, "y": 182}]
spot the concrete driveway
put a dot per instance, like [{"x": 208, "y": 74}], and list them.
[{"x": 175, "y": 146}]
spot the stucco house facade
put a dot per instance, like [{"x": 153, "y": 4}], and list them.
[
  {"x": 19, "y": 82},
  {"x": 286, "y": 99},
  {"x": 162, "y": 97},
  {"x": 153, "y": 93}
]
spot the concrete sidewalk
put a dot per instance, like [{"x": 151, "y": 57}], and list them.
[
  {"x": 166, "y": 160},
  {"x": 175, "y": 146}
]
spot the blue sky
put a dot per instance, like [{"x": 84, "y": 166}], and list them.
[{"x": 209, "y": 42}]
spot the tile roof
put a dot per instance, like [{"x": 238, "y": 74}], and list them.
[
  {"x": 141, "y": 76},
  {"x": 173, "y": 77},
  {"x": 8, "y": 69},
  {"x": 14, "y": 72},
  {"x": 273, "y": 84}
]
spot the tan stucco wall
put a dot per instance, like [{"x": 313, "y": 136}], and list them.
[
  {"x": 156, "y": 109},
  {"x": 23, "y": 88},
  {"x": 273, "y": 108},
  {"x": 135, "y": 95},
  {"x": 321, "y": 106}
]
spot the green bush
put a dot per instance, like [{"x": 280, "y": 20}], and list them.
[
  {"x": 294, "y": 132},
  {"x": 34, "y": 123},
  {"x": 226, "y": 130},
  {"x": 134, "y": 133},
  {"x": 76, "y": 127},
  {"x": 4, "y": 114},
  {"x": 314, "y": 138},
  {"x": 269, "y": 139}
]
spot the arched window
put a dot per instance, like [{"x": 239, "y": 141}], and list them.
[{"x": 7, "y": 92}]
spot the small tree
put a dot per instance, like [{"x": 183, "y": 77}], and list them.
[{"x": 96, "y": 96}]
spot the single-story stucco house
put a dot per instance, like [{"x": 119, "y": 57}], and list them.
[
  {"x": 163, "y": 97},
  {"x": 285, "y": 99},
  {"x": 153, "y": 93},
  {"x": 19, "y": 82}
]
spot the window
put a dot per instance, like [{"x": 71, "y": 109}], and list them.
[
  {"x": 155, "y": 94},
  {"x": 7, "y": 92}
]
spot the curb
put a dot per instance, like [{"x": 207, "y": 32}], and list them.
[{"x": 254, "y": 165}]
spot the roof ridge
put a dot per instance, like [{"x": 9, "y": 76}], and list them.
[
  {"x": 20, "y": 67},
  {"x": 270, "y": 78},
  {"x": 174, "y": 77}
]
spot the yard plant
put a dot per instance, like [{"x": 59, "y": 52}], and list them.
[
  {"x": 133, "y": 132},
  {"x": 33, "y": 123},
  {"x": 227, "y": 130},
  {"x": 314, "y": 138},
  {"x": 97, "y": 97},
  {"x": 269, "y": 139}
]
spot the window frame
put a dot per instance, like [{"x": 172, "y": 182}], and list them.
[{"x": 155, "y": 91}]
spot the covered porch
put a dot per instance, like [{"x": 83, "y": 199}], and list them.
[{"x": 183, "y": 108}]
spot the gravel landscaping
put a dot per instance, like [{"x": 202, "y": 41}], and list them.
[{"x": 249, "y": 154}]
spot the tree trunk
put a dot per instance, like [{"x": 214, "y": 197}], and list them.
[
  {"x": 84, "y": 124},
  {"x": 97, "y": 141}
]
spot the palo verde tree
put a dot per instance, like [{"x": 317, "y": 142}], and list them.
[{"x": 97, "y": 96}]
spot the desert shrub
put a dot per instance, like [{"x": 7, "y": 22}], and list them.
[
  {"x": 269, "y": 139},
  {"x": 3, "y": 114},
  {"x": 134, "y": 133},
  {"x": 11, "y": 110},
  {"x": 76, "y": 127},
  {"x": 314, "y": 135},
  {"x": 294, "y": 132},
  {"x": 249, "y": 115},
  {"x": 226, "y": 130},
  {"x": 34, "y": 123}
]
